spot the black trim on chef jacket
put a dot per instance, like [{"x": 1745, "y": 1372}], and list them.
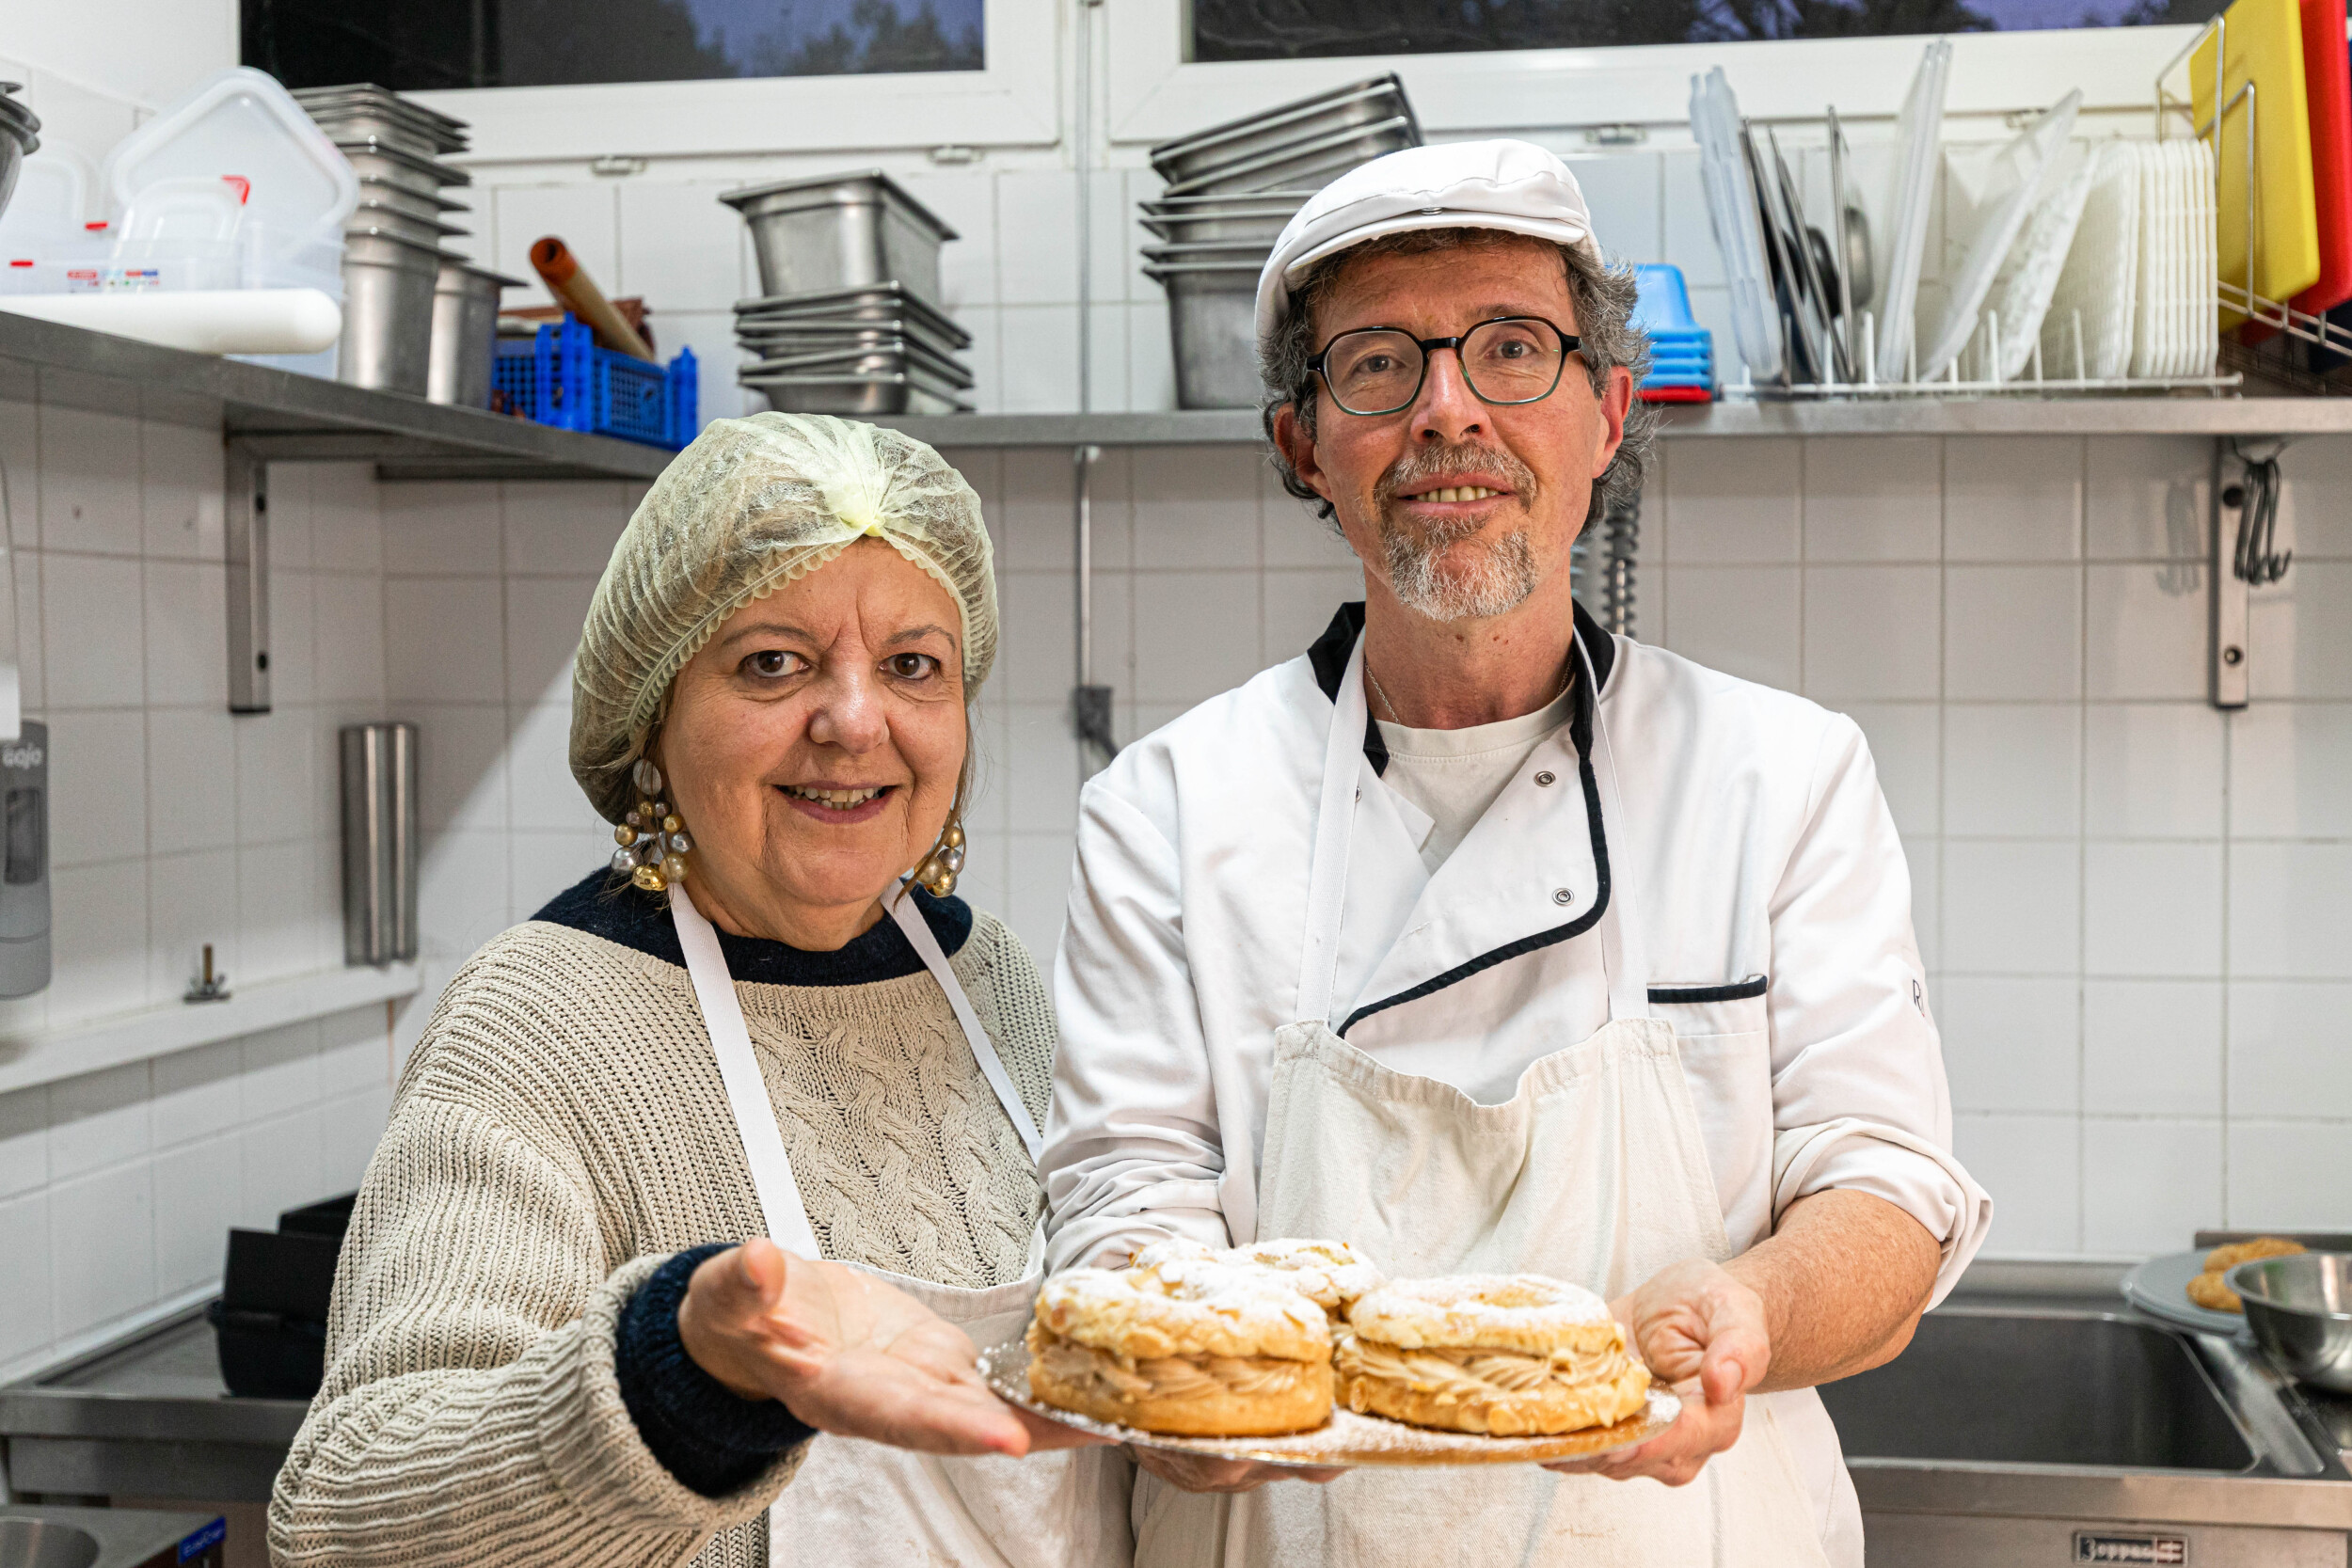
[
  {"x": 1329, "y": 658},
  {"x": 1737, "y": 991},
  {"x": 1329, "y": 655}
]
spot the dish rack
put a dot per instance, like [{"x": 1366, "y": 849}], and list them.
[
  {"x": 2288, "y": 323},
  {"x": 560, "y": 377},
  {"x": 1977, "y": 372}
]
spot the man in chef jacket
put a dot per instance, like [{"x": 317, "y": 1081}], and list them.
[{"x": 1489, "y": 941}]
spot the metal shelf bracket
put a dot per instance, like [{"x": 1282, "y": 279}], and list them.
[
  {"x": 2245, "y": 487},
  {"x": 248, "y": 552}
]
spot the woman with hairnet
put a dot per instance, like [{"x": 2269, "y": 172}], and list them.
[{"x": 733, "y": 1143}]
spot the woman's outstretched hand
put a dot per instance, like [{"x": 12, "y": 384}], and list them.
[{"x": 848, "y": 1354}]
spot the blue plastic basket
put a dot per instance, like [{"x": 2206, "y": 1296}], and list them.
[{"x": 560, "y": 377}]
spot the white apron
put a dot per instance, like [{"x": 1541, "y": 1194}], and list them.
[
  {"x": 1593, "y": 1172},
  {"x": 854, "y": 1503}
]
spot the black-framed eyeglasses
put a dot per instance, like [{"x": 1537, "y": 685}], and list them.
[{"x": 1379, "y": 370}]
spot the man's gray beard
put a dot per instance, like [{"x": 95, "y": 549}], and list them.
[{"x": 1497, "y": 579}]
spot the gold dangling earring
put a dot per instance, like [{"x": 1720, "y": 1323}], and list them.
[
  {"x": 937, "y": 874},
  {"x": 653, "y": 841}
]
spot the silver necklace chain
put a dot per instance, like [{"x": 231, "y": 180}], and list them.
[{"x": 1394, "y": 718}]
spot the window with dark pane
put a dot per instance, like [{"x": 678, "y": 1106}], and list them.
[
  {"x": 1301, "y": 29},
  {"x": 416, "y": 45}
]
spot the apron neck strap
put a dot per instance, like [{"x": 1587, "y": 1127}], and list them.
[
  {"x": 1335, "y": 826},
  {"x": 780, "y": 1207},
  {"x": 918, "y": 933}
]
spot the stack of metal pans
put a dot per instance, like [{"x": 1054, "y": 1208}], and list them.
[
  {"x": 874, "y": 349},
  {"x": 1230, "y": 189},
  {"x": 395, "y": 147},
  {"x": 395, "y": 245},
  {"x": 851, "y": 318}
]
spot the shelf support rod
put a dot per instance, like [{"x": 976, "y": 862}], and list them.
[
  {"x": 1089, "y": 703},
  {"x": 246, "y": 497}
]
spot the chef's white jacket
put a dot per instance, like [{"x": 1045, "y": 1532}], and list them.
[{"x": 1759, "y": 858}]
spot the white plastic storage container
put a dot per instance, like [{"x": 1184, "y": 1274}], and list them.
[{"x": 242, "y": 123}]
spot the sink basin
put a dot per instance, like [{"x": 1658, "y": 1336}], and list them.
[
  {"x": 40, "y": 1535},
  {"x": 2026, "y": 1388},
  {"x": 43, "y": 1544}
]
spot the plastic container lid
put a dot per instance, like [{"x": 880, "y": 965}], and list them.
[{"x": 242, "y": 123}]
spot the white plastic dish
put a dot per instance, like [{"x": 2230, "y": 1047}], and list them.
[
  {"x": 2021, "y": 292},
  {"x": 2098, "y": 283},
  {"x": 241, "y": 122},
  {"x": 1739, "y": 229},
  {"x": 2015, "y": 184},
  {"x": 1910, "y": 200}
]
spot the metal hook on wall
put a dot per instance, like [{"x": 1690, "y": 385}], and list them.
[
  {"x": 2256, "y": 560},
  {"x": 2245, "y": 556}
]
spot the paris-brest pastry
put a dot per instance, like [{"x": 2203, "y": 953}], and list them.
[
  {"x": 1191, "y": 1345},
  {"x": 1506, "y": 1354}
]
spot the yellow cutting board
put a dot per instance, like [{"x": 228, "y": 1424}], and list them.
[{"x": 2265, "y": 39}]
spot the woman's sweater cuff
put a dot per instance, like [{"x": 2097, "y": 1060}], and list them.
[{"x": 712, "y": 1439}]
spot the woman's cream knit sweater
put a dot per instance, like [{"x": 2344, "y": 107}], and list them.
[{"x": 559, "y": 1133}]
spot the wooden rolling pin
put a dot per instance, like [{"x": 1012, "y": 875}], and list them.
[{"x": 561, "y": 271}]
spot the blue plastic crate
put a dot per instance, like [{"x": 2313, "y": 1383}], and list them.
[{"x": 560, "y": 377}]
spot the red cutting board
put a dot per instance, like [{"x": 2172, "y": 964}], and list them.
[{"x": 2328, "y": 88}]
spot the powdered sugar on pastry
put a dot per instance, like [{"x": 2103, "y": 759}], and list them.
[
  {"x": 1526, "y": 1312},
  {"x": 1331, "y": 1273},
  {"x": 1188, "y": 1308}
]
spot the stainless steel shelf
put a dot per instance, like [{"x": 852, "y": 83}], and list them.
[
  {"x": 1182, "y": 428},
  {"x": 300, "y": 417},
  {"x": 2202, "y": 414}
]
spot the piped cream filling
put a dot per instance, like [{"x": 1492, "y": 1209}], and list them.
[
  {"x": 1164, "y": 1377},
  {"x": 1465, "y": 1376}
]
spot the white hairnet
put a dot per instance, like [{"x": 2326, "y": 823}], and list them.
[{"x": 750, "y": 506}]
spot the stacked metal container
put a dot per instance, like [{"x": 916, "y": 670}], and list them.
[
  {"x": 1229, "y": 191},
  {"x": 20, "y": 138},
  {"x": 849, "y": 318},
  {"x": 418, "y": 317}
]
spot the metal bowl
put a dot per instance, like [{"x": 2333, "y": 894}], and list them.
[{"x": 2300, "y": 1311}]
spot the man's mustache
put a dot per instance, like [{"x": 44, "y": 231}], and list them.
[{"x": 1422, "y": 464}]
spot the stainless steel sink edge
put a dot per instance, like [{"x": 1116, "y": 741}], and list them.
[
  {"x": 2262, "y": 1402},
  {"x": 1955, "y": 1487}
]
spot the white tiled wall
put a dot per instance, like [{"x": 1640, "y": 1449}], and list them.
[
  {"x": 2138, "y": 911},
  {"x": 175, "y": 824}
]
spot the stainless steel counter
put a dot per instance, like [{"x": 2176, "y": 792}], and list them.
[
  {"x": 2035, "y": 1418},
  {"x": 147, "y": 1417}
]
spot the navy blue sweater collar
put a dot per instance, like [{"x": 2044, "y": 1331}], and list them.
[{"x": 604, "y": 906}]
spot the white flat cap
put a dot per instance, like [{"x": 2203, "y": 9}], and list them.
[{"x": 1512, "y": 185}]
